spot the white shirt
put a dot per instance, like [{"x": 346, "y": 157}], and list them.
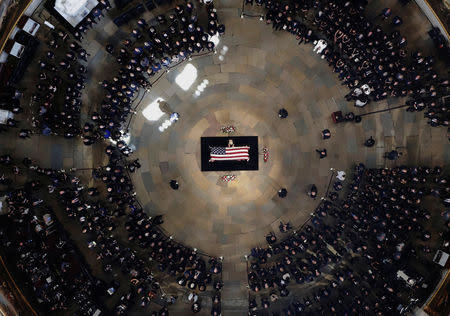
[
  {"x": 320, "y": 46},
  {"x": 341, "y": 175},
  {"x": 357, "y": 91},
  {"x": 360, "y": 103},
  {"x": 366, "y": 89}
]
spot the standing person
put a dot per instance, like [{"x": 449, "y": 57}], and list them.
[
  {"x": 369, "y": 142},
  {"x": 322, "y": 153},
  {"x": 397, "y": 21},
  {"x": 326, "y": 134},
  {"x": 283, "y": 113},
  {"x": 282, "y": 193},
  {"x": 174, "y": 184},
  {"x": 385, "y": 13},
  {"x": 110, "y": 49},
  {"x": 313, "y": 191}
]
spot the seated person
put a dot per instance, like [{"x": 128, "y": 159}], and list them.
[{"x": 271, "y": 238}]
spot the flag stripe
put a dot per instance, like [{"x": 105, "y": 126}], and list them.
[
  {"x": 230, "y": 158},
  {"x": 234, "y": 154},
  {"x": 216, "y": 159},
  {"x": 236, "y": 151},
  {"x": 236, "y": 157}
]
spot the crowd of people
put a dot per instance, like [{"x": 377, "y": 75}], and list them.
[
  {"x": 36, "y": 237},
  {"x": 374, "y": 64},
  {"x": 175, "y": 259},
  {"x": 10, "y": 102},
  {"x": 91, "y": 19},
  {"x": 360, "y": 243},
  {"x": 184, "y": 263},
  {"x": 98, "y": 220},
  {"x": 62, "y": 78},
  {"x": 149, "y": 49},
  {"x": 43, "y": 253}
]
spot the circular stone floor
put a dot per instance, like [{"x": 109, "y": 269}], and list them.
[{"x": 247, "y": 86}]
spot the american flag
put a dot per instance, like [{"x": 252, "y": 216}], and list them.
[{"x": 229, "y": 153}]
